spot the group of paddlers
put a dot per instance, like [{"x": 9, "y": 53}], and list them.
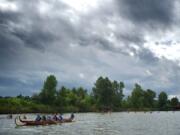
[
  {"x": 55, "y": 117},
  {"x": 43, "y": 120}
]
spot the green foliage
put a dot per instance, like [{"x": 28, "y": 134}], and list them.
[
  {"x": 162, "y": 100},
  {"x": 137, "y": 97},
  {"x": 48, "y": 92},
  {"x": 103, "y": 92},
  {"x": 20, "y": 105},
  {"x": 106, "y": 94},
  {"x": 174, "y": 102},
  {"x": 149, "y": 96},
  {"x": 118, "y": 93},
  {"x": 75, "y": 98},
  {"x": 140, "y": 98},
  {"x": 61, "y": 100}
]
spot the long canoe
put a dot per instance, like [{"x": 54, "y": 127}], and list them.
[{"x": 20, "y": 122}]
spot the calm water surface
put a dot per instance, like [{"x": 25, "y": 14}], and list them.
[{"x": 156, "y": 123}]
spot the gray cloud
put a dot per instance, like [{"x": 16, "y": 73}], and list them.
[
  {"x": 106, "y": 41},
  {"x": 147, "y": 56},
  {"x": 36, "y": 30},
  {"x": 35, "y": 38},
  {"x": 152, "y": 12},
  {"x": 7, "y": 16}
]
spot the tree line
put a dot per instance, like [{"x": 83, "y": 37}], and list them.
[{"x": 105, "y": 95}]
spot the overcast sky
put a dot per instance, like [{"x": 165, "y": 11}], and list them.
[{"x": 134, "y": 41}]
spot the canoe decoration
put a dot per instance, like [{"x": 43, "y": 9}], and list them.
[{"x": 21, "y": 122}]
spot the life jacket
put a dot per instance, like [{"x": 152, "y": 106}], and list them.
[
  {"x": 60, "y": 117},
  {"x": 55, "y": 117},
  {"x": 38, "y": 118},
  {"x": 72, "y": 116}
]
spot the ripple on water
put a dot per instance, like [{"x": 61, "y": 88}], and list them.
[{"x": 107, "y": 124}]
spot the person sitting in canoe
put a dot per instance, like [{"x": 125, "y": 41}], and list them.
[
  {"x": 60, "y": 117},
  {"x": 44, "y": 118},
  {"x": 10, "y": 116},
  {"x": 24, "y": 117},
  {"x": 49, "y": 117},
  {"x": 55, "y": 117},
  {"x": 72, "y": 116},
  {"x": 38, "y": 118}
]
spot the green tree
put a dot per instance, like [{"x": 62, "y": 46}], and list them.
[
  {"x": 118, "y": 93},
  {"x": 149, "y": 96},
  {"x": 20, "y": 96},
  {"x": 162, "y": 100},
  {"x": 174, "y": 101},
  {"x": 48, "y": 93},
  {"x": 81, "y": 93},
  {"x": 36, "y": 97},
  {"x": 128, "y": 103},
  {"x": 61, "y": 100},
  {"x": 137, "y": 97},
  {"x": 103, "y": 92}
]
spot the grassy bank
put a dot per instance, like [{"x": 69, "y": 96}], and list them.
[
  {"x": 106, "y": 95},
  {"x": 17, "y": 105}
]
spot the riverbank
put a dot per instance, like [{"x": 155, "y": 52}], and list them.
[{"x": 19, "y": 106}]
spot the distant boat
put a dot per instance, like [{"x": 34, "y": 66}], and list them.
[{"x": 10, "y": 116}]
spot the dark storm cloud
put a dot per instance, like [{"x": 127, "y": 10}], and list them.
[
  {"x": 95, "y": 40},
  {"x": 9, "y": 35},
  {"x": 147, "y": 56},
  {"x": 165, "y": 76},
  {"x": 35, "y": 38},
  {"x": 12, "y": 86},
  {"x": 148, "y": 11},
  {"x": 7, "y": 16},
  {"x": 5, "y": 81},
  {"x": 33, "y": 29},
  {"x": 8, "y": 48},
  {"x": 136, "y": 38},
  {"x": 70, "y": 44},
  {"x": 9, "y": 44},
  {"x": 125, "y": 40}
]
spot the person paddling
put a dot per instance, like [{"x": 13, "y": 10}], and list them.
[
  {"x": 72, "y": 116},
  {"x": 55, "y": 117},
  {"x": 24, "y": 117},
  {"x": 38, "y": 118},
  {"x": 60, "y": 117},
  {"x": 44, "y": 118},
  {"x": 49, "y": 117}
]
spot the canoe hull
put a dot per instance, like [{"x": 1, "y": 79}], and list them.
[{"x": 20, "y": 122}]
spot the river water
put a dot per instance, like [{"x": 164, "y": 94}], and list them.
[{"x": 140, "y": 123}]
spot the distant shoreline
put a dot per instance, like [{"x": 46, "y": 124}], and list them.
[
  {"x": 130, "y": 111},
  {"x": 106, "y": 96}
]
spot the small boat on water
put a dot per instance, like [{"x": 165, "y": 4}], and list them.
[
  {"x": 10, "y": 116},
  {"x": 21, "y": 122}
]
